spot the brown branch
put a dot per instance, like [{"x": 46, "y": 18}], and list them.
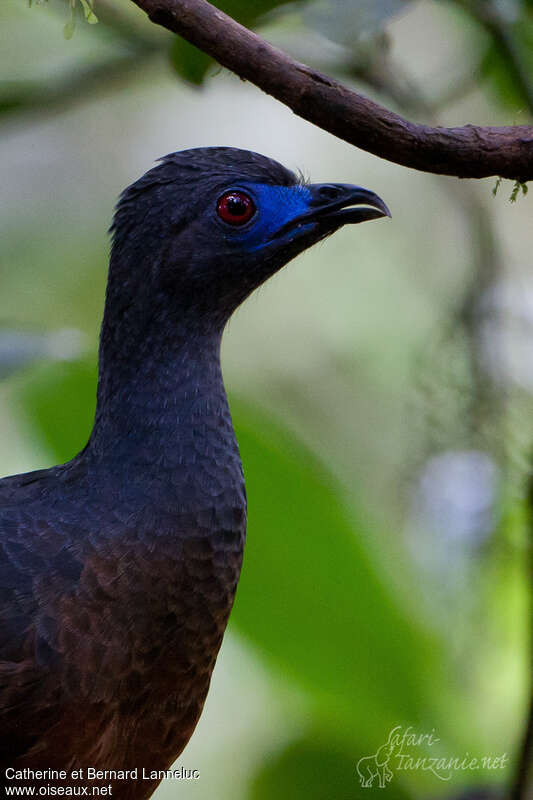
[{"x": 467, "y": 152}]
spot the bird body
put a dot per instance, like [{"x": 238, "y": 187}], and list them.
[
  {"x": 118, "y": 569},
  {"x": 126, "y": 562}
]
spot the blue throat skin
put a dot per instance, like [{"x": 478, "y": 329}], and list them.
[{"x": 119, "y": 568}]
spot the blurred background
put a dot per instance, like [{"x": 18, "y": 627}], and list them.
[{"x": 381, "y": 385}]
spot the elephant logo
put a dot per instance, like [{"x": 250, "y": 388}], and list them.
[{"x": 376, "y": 766}]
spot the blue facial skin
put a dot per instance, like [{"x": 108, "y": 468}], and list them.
[{"x": 275, "y": 207}]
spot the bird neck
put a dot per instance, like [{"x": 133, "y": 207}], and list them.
[{"x": 158, "y": 390}]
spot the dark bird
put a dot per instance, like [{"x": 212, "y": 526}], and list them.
[{"x": 118, "y": 569}]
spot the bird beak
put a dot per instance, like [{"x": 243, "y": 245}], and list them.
[
  {"x": 344, "y": 203},
  {"x": 335, "y": 204}
]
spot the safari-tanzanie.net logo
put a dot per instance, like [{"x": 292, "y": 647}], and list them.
[{"x": 407, "y": 750}]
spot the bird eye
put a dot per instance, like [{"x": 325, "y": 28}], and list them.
[{"x": 235, "y": 208}]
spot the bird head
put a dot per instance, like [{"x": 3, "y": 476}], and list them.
[{"x": 207, "y": 226}]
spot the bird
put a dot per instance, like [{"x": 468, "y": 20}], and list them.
[{"x": 118, "y": 569}]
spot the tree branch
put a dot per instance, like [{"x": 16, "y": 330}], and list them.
[{"x": 466, "y": 152}]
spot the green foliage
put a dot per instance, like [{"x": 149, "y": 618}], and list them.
[
  {"x": 190, "y": 63},
  {"x": 315, "y": 769},
  {"x": 517, "y": 188},
  {"x": 60, "y": 401},
  {"x": 310, "y": 597},
  {"x": 70, "y": 25},
  {"x": 497, "y": 73},
  {"x": 88, "y": 12}
]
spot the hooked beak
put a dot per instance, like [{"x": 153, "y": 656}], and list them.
[{"x": 335, "y": 204}]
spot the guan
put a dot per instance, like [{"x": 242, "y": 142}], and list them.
[{"x": 118, "y": 569}]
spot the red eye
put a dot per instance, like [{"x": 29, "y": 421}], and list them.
[{"x": 235, "y": 208}]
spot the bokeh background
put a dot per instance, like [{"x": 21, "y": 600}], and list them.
[{"x": 380, "y": 385}]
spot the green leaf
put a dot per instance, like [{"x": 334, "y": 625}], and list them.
[
  {"x": 311, "y": 599},
  {"x": 68, "y": 30},
  {"x": 190, "y": 63},
  {"x": 90, "y": 16},
  {"x": 500, "y": 79},
  {"x": 314, "y": 769},
  {"x": 517, "y": 188},
  {"x": 59, "y": 400}
]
